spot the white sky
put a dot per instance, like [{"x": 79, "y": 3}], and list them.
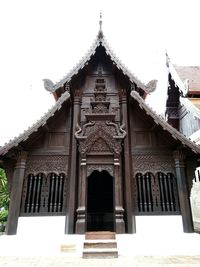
[{"x": 46, "y": 38}]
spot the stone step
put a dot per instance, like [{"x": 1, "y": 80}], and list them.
[
  {"x": 100, "y": 235},
  {"x": 99, "y": 244},
  {"x": 97, "y": 253}
]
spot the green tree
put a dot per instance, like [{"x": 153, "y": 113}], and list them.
[{"x": 4, "y": 196}]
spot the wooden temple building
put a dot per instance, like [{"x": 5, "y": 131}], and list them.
[{"x": 101, "y": 155}]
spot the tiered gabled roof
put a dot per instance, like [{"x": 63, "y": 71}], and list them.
[{"x": 99, "y": 41}]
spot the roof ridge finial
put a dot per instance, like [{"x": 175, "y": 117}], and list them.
[
  {"x": 100, "y": 34},
  {"x": 100, "y": 22}
]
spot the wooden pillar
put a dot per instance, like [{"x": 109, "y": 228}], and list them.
[
  {"x": 81, "y": 211},
  {"x": 119, "y": 211},
  {"x": 184, "y": 199},
  {"x": 16, "y": 193},
  {"x": 71, "y": 205},
  {"x": 127, "y": 168}
]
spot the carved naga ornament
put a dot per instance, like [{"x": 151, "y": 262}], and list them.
[{"x": 100, "y": 133}]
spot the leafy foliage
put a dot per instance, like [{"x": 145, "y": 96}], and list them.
[{"x": 4, "y": 197}]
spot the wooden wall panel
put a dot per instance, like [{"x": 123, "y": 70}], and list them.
[{"x": 56, "y": 140}]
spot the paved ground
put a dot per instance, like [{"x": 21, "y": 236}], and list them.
[{"x": 142, "y": 261}]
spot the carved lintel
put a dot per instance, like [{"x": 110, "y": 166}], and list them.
[
  {"x": 47, "y": 164},
  {"x": 153, "y": 164},
  {"x": 100, "y": 167}
]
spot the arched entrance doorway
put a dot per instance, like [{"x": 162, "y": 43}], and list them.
[{"x": 100, "y": 206}]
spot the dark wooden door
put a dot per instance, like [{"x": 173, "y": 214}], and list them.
[{"x": 100, "y": 206}]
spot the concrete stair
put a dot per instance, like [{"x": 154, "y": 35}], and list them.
[{"x": 100, "y": 245}]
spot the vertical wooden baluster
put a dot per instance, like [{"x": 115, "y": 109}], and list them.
[
  {"x": 150, "y": 192},
  {"x": 164, "y": 192},
  {"x": 56, "y": 193},
  {"x": 35, "y": 193},
  {"x": 138, "y": 192},
  {"x": 154, "y": 192},
  {"x": 52, "y": 192},
  {"x": 161, "y": 191},
  {"x": 146, "y": 192},
  {"x": 31, "y": 194},
  {"x": 30, "y": 177},
  {"x": 49, "y": 195},
  {"x": 38, "y": 193},
  {"x": 62, "y": 192},
  {"x": 169, "y": 192},
  {"x": 44, "y": 191},
  {"x": 142, "y": 195}
]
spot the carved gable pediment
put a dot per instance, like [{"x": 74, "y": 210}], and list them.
[
  {"x": 99, "y": 141},
  {"x": 100, "y": 145}
]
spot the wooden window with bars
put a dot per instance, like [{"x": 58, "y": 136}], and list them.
[
  {"x": 43, "y": 194},
  {"x": 156, "y": 194}
]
